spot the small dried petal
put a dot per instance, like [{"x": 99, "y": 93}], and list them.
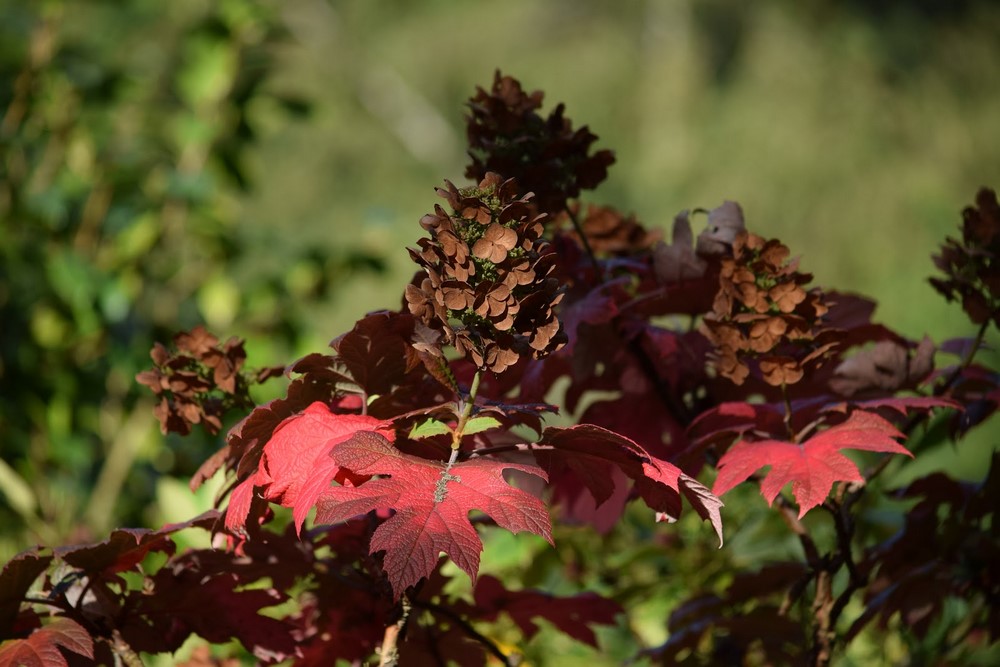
[
  {"x": 495, "y": 243},
  {"x": 787, "y": 296}
]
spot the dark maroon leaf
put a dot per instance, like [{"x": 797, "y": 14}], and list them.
[
  {"x": 377, "y": 351},
  {"x": 127, "y": 547},
  {"x": 17, "y": 577},
  {"x": 587, "y": 450},
  {"x": 573, "y": 615},
  {"x": 185, "y": 598}
]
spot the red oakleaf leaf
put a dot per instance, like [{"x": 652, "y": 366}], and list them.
[
  {"x": 431, "y": 504},
  {"x": 125, "y": 548},
  {"x": 41, "y": 648},
  {"x": 900, "y": 404},
  {"x": 190, "y": 595},
  {"x": 377, "y": 351},
  {"x": 571, "y": 614},
  {"x": 296, "y": 467},
  {"x": 587, "y": 450},
  {"x": 813, "y": 466},
  {"x": 720, "y": 423}
]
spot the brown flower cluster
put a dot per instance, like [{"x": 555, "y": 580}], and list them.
[
  {"x": 507, "y": 135},
  {"x": 486, "y": 286},
  {"x": 762, "y": 314},
  {"x": 611, "y": 232},
  {"x": 973, "y": 264},
  {"x": 199, "y": 381}
]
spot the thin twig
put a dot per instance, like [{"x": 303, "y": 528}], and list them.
[
  {"x": 788, "y": 412},
  {"x": 808, "y": 545},
  {"x": 467, "y": 628},
  {"x": 586, "y": 244}
]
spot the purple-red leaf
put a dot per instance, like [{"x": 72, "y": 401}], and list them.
[
  {"x": 125, "y": 548},
  {"x": 587, "y": 451},
  {"x": 41, "y": 648},
  {"x": 188, "y": 597},
  {"x": 431, "y": 505},
  {"x": 573, "y": 615},
  {"x": 813, "y": 466},
  {"x": 16, "y": 578}
]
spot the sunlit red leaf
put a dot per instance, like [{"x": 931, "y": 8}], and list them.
[
  {"x": 431, "y": 505},
  {"x": 296, "y": 465},
  {"x": 811, "y": 467}
]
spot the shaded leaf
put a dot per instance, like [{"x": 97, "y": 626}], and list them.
[
  {"x": 377, "y": 351},
  {"x": 587, "y": 451},
  {"x": 190, "y": 596},
  {"x": 573, "y": 615},
  {"x": 887, "y": 366},
  {"x": 17, "y": 577},
  {"x": 125, "y": 548}
]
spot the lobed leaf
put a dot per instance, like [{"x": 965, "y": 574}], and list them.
[
  {"x": 41, "y": 648},
  {"x": 811, "y": 467},
  {"x": 431, "y": 504},
  {"x": 586, "y": 451},
  {"x": 573, "y": 614},
  {"x": 125, "y": 548},
  {"x": 295, "y": 466}
]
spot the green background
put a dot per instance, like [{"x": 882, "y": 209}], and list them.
[{"x": 260, "y": 167}]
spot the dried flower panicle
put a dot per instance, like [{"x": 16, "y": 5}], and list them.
[
  {"x": 199, "y": 381},
  {"x": 972, "y": 265},
  {"x": 762, "y": 313},
  {"x": 610, "y": 232},
  {"x": 486, "y": 284},
  {"x": 506, "y": 134}
]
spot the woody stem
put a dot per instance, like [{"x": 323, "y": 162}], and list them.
[{"x": 389, "y": 652}]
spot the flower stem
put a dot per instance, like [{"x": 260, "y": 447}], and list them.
[
  {"x": 470, "y": 402},
  {"x": 788, "y": 411},
  {"x": 586, "y": 244}
]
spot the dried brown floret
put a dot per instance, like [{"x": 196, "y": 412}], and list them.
[
  {"x": 972, "y": 265},
  {"x": 199, "y": 381},
  {"x": 547, "y": 156},
  {"x": 762, "y": 314},
  {"x": 486, "y": 287}
]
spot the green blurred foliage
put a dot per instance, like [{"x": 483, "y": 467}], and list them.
[
  {"x": 251, "y": 164},
  {"x": 123, "y": 143},
  {"x": 853, "y": 134}
]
